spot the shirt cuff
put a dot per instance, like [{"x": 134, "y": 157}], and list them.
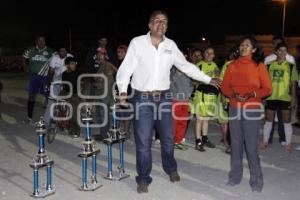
[
  {"x": 206, "y": 79},
  {"x": 122, "y": 89}
]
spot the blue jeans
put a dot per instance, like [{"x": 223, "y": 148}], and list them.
[{"x": 153, "y": 112}]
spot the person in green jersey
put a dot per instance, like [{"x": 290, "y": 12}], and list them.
[
  {"x": 284, "y": 76},
  {"x": 36, "y": 62},
  {"x": 204, "y": 102},
  {"x": 223, "y": 103}
]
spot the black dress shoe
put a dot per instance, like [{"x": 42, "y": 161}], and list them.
[
  {"x": 142, "y": 187},
  {"x": 174, "y": 177}
]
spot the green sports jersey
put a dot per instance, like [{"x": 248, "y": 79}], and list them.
[
  {"x": 211, "y": 69},
  {"x": 282, "y": 76},
  {"x": 222, "y": 74},
  {"x": 38, "y": 59}
]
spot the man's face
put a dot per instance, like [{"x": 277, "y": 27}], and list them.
[
  {"x": 121, "y": 54},
  {"x": 72, "y": 66},
  {"x": 158, "y": 25},
  {"x": 102, "y": 42},
  {"x": 40, "y": 42},
  {"x": 62, "y": 52},
  {"x": 196, "y": 57}
]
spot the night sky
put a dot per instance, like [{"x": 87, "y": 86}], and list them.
[{"x": 122, "y": 20}]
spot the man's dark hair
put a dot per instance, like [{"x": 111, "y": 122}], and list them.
[
  {"x": 68, "y": 60},
  {"x": 278, "y": 37},
  {"x": 279, "y": 45},
  {"x": 158, "y": 12}
]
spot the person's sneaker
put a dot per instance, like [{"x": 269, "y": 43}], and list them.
[
  {"x": 174, "y": 177},
  {"x": 142, "y": 187},
  {"x": 199, "y": 146},
  {"x": 209, "y": 144},
  {"x": 75, "y": 135},
  {"x": 181, "y": 146}
]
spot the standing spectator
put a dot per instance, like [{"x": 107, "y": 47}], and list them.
[
  {"x": 272, "y": 57},
  {"x": 277, "y": 40},
  {"x": 284, "y": 78},
  {"x": 204, "y": 103},
  {"x": 108, "y": 70},
  {"x": 92, "y": 63},
  {"x": 124, "y": 122},
  {"x": 71, "y": 75},
  {"x": 56, "y": 69},
  {"x": 149, "y": 60},
  {"x": 121, "y": 53},
  {"x": 181, "y": 89},
  {"x": 246, "y": 82},
  {"x": 37, "y": 63}
]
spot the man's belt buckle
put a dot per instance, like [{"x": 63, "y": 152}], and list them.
[{"x": 155, "y": 93}]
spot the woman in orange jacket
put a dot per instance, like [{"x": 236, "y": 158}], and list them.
[{"x": 246, "y": 82}]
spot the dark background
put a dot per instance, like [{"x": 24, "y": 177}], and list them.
[{"x": 21, "y": 21}]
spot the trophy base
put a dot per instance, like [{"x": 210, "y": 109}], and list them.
[{"x": 43, "y": 194}]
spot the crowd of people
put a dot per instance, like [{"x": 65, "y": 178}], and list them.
[{"x": 159, "y": 75}]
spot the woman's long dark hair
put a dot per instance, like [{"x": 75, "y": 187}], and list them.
[{"x": 258, "y": 55}]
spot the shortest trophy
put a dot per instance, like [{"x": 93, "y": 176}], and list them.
[{"x": 89, "y": 151}]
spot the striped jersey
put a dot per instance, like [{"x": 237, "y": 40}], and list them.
[{"x": 38, "y": 60}]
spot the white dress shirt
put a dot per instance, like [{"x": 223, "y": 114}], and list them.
[
  {"x": 273, "y": 57},
  {"x": 58, "y": 65},
  {"x": 150, "y": 67}
]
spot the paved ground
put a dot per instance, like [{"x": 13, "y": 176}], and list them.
[{"x": 203, "y": 174}]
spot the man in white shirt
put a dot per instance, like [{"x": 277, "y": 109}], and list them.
[
  {"x": 277, "y": 40},
  {"x": 149, "y": 60},
  {"x": 56, "y": 68}
]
